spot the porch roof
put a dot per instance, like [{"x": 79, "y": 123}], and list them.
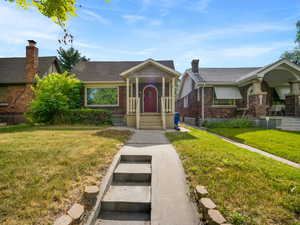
[{"x": 110, "y": 71}]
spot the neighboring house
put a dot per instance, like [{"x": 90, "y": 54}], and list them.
[
  {"x": 140, "y": 94},
  {"x": 16, "y": 79},
  {"x": 213, "y": 93}
]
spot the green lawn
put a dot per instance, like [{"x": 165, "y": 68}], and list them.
[
  {"x": 281, "y": 143},
  {"x": 249, "y": 189},
  {"x": 43, "y": 170}
]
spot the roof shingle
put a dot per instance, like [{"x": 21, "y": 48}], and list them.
[
  {"x": 223, "y": 75},
  {"x": 12, "y": 70},
  {"x": 108, "y": 71}
]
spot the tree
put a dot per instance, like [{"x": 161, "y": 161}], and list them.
[
  {"x": 294, "y": 55},
  {"x": 58, "y": 10},
  {"x": 54, "y": 94},
  {"x": 69, "y": 58}
]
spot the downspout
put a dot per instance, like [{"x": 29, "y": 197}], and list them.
[{"x": 202, "y": 102}]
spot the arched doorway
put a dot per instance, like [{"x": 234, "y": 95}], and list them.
[{"x": 150, "y": 98}]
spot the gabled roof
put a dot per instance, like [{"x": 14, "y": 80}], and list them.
[
  {"x": 110, "y": 71},
  {"x": 235, "y": 75},
  {"x": 12, "y": 70},
  {"x": 150, "y": 62},
  {"x": 263, "y": 70},
  {"x": 224, "y": 75}
]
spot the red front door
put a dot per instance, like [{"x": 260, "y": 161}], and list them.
[{"x": 150, "y": 99}]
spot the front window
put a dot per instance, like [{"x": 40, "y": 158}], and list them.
[
  {"x": 96, "y": 96},
  {"x": 3, "y": 95},
  {"x": 223, "y": 101}
]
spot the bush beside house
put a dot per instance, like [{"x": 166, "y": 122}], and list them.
[
  {"x": 83, "y": 116},
  {"x": 58, "y": 99},
  {"x": 232, "y": 123}
]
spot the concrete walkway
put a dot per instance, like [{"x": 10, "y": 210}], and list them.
[
  {"x": 252, "y": 149},
  {"x": 170, "y": 201}
]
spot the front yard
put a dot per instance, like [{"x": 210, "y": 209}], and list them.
[
  {"x": 43, "y": 170},
  {"x": 281, "y": 143},
  {"x": 249, "y": 188}
]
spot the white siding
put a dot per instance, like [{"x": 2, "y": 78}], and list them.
[{"x": 187, "y": 86}]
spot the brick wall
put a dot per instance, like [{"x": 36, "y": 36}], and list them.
[
  {"x": 194, "y": 108},
  {"x": 18, "y": 98}
]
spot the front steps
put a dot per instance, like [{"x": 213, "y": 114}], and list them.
[
  {"x": 128, "y": 199},
  {"x": 151, "y": 121},
  {"x": 290, "y": 124}
]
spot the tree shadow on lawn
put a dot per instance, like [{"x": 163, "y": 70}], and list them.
[{"x": 32, "y": 128}]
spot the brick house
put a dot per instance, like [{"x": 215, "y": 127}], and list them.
[
  {"x": 220, "y": 93},
  {"x": 16, "y": 79},
  {"x": 140, "y": 94}
]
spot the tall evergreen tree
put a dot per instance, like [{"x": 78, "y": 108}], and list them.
[
  {"x": 294, "y": 55},
  {"x": 69, "y": 58}
]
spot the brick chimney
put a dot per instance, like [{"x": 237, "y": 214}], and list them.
[
  {"x": 32, "y": 61},
  {"x": 195, "y": 66}
]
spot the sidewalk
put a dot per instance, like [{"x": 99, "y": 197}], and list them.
[{"x": 170, "y": 201}]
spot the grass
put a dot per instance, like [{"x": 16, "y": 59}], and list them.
[
  {"x": 248, "y": 188},
  {"x": 281, "y": 143},
  {"x": 43, "y": 170}
]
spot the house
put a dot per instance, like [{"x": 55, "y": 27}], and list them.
[
  {"x": 255, "y": 92},
  {"x": 140, "y": 94},
  {"x": 16, "y": 79}
]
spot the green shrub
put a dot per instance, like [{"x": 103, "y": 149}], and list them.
[
  {"x": 83, "y": 116},
  {"x": 232, "y": 123},
  {"x": 54, "y": 94}
]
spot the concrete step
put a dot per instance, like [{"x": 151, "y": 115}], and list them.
[
  {"x": 136, "y": 158},
  {"x": 123, "y": 218},
  {"x": 127, "y": 199},
  {"x": 132, "y": 172},
  {"x": 145, "y": 127}
]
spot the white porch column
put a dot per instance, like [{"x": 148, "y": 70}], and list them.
[
  {"x": 163, "y": 86},
  {"x": 173, "y": 95},
  {"x": 137, "y": 111},
  {"x": 127, "y": 95}
]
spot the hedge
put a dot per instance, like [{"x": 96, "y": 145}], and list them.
[
  {"x": 83, "y": 116},
  {"x": 231, "y": 123}
]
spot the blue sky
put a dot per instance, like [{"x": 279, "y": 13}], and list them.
[{"x": 221, "y": 33}]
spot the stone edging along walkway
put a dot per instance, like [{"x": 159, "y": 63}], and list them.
[{"x": 252, "y": 149}]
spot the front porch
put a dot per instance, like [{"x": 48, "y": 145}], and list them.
[
  {"x": 274, "y": 91},
  {"x": 150, "y": 96}
]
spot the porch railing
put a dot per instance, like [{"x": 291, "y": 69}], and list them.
[
  {"x": 167, "y": 104},
  {"x": 132, "y": 104}
]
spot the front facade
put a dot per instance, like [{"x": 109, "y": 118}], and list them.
[
  {"x": 220, "y": 93},
  {"x": 140, "y": 94},
  {"x": 16, "y": 79}
]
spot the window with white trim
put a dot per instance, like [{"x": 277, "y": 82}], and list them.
[
  {"x": 186, "y": 101},
  {"x": 102, "y": 96},
  {"x": 3, "y": 95},
  {"x": 226, "y": 96}
]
